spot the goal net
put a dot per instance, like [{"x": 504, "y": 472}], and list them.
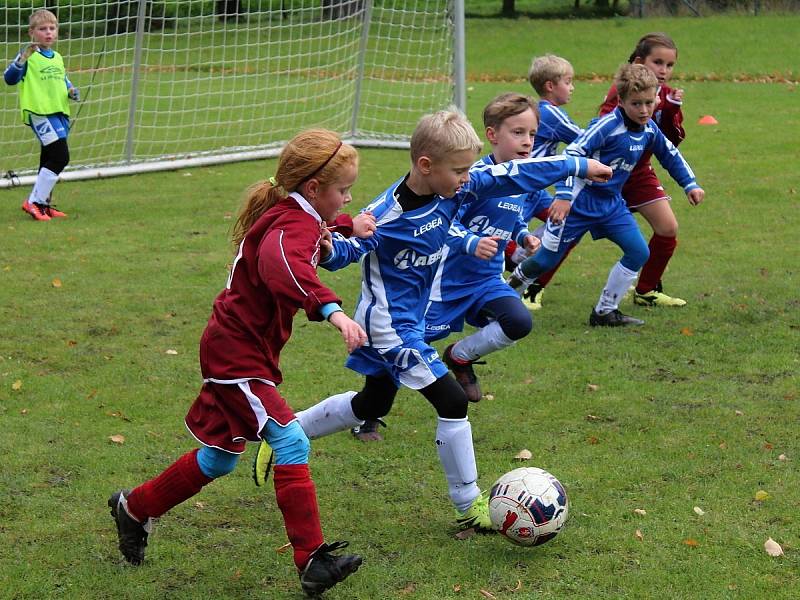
[{"x": 171, "y": 83}]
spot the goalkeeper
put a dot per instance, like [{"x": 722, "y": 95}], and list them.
[{"x": 44, "y": 91}]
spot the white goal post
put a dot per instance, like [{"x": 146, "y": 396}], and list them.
[{"x": 167, "y": 84}]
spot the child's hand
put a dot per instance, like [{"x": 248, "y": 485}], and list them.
[
  {"x": 364, "y": 225},
  {"x": 487, "y": 247},
  {"x": 559, "y": 210},
  {"x": 325, "y": 243},
  {"x": 597, "y": 171},
  {"x": 532, "y": 244},
  {"x": 74, "y": 93},
  {"x": 677, "y": 95},
  {"x": 696, "y": 196},
  {"x": 26, "y": 51},
  {"x": 354, "y": 336}
]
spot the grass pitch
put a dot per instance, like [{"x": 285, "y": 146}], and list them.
[{"x": 101, "y": 314}]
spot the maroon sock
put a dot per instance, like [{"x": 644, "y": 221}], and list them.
[
  {"x": 297, "y": 499},
  {"x": 661, "y": 250},
  {"x": 180, "y": 481},
  {"x": 545, "y": 278}
]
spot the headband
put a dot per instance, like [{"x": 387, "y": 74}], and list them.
[{"x": 323, "y": 165}]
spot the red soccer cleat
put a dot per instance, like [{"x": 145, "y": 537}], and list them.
[
  {"x": 37, "y": 211},
  {"x": 53, "y": 212}
]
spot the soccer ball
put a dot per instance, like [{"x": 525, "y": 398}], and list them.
[{"x": 528, "y": 505}]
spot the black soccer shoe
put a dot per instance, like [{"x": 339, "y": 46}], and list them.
[
  {"x": 368, "y": 432},
  {"x": 464, "y": 374},
  {"x": 324, "y": 570},
  {"x": 612, "y": 319},
  {"x": 132, "y": 534}
]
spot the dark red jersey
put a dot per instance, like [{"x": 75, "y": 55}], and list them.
[{"x": 273, "y": 275}]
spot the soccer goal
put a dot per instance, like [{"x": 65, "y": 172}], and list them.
[{"x": 167, "y": 84}]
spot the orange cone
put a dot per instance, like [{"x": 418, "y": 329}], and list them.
[{"x": 707, "y": 120}]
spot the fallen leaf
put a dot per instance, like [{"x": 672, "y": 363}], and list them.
[
  {"x": 117, "y": 438},
  {"x": 24, "y": 411},
  {"x": 738, "y": 413},
  {"x": 199, "y": 505},
  {"x": 767, "y": 446},
  {"x": 640, "y": 511},
  {"x": 237, "y": 575},
  {"x": 692, "y": 543},
  {"x": 465, "y": 534},
  {"x": 773, "y": 548},
  {"x": 171, "y": 351},
  {"x": 524, "y": 454},
  {"x": 761, "y": 495},
  {"x": 723, "y": 446},
  {"x": 519, "y": 586},
  {"x": 687, "y": 331},
  {"x": 56, "y": 283},
  {"x": 283, "y": 548},
  {"x": 457, "y": 587},
  {"x": 72, "y": 343},
  {"x": 639, "y": 535},
  {"x": 783, "y": 457},
  {"x": 409, "y": 588},
  {"x": 699, "y": 511},
  {"x": 487, "y": 594},
  {"x": 592, "y": 387},
  {"x": 592, "y": 440},
  {"x": 592, "y": 418},
  {"x": 17, "y": 385},
  {"x": 489, "y": 397}
]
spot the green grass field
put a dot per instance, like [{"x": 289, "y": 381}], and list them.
[{"x": 101, "y": 315}]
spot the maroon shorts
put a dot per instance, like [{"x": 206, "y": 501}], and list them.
[
  {"x": 643, "y": 187},
  {"x": 228, "y": 415}
]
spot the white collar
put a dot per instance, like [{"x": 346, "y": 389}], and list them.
[{"x": 306, "y": 206}]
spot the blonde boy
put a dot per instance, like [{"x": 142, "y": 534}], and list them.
[
  {"x": 551, "y": 76},
  {"x": 44, "y": 90},
  {"x": 398, "y": 264}
]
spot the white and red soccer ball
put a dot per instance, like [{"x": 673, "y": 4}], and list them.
[{"x": 529, "y": 506}]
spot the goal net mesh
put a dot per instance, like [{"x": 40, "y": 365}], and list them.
[{"x": 167, "y": 80}]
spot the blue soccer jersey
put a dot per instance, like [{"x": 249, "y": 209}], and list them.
[
  {"x": 555, "y": 126},
  {"x": 618, "y": 142},
  {"x": 399, "y": 262},
  {"x": 459, "y": 274}
]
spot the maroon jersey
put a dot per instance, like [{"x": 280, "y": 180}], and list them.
[
  {"x": 643, "y": 186},
  {"x": 273, "y": 275}
]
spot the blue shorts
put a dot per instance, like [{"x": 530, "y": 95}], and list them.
[
  {"x": 443, "y": 318},
  {"x": 414, "y": 364},
  {"x": 618, "y": 220},
  {"x": 49, "y": 128}
]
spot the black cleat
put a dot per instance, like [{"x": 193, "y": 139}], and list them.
[
  {"x": 132, "y": 534},
  {"x": 324, "y": 570},
  {"x": 612, "y": 319},
  {"x": 368, "y": 432},
  {"x": 465, "y": 375}
]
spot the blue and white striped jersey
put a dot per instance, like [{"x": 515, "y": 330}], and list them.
[
  {"x": 399, "y": 261},
  {"x": 459, "y": 274},
  {"x": 619, "y": 143},
  {"x": 554, "y": 126}
]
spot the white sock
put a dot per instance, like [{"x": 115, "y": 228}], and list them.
[
  {"x": 45, "y": 182},
  {"x": 619, "y": 280},
  {"x": 333, "y": 414},
  {"x": 482, "y": 342},
  {"x": 454, "y": 444}
]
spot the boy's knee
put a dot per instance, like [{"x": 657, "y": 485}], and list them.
[
  {"x": 367, "y": 405},
  {"x": 215, "y": 463},
  {"x": 517, "y": 325},
  {"x": 290, "y": 443}
]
